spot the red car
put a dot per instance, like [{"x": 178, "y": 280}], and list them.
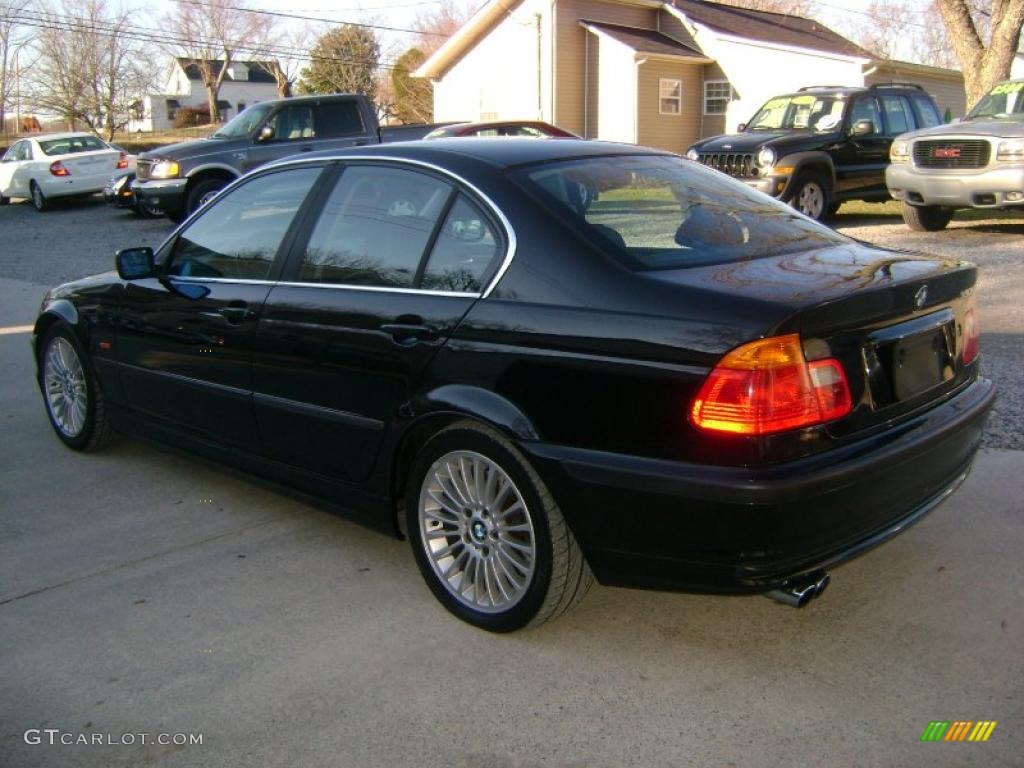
[{"x": 523, "y": 128}]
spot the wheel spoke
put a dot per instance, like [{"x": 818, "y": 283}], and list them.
[{"x": 476, "y": 531}]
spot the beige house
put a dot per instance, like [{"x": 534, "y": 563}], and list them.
[{"x": 662, "y": 74}]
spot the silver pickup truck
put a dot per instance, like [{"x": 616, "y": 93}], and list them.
[{"x": 974, "y": 163}]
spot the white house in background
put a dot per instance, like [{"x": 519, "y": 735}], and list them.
[
  {"x": 655, "y": 72},
  {"x": 246, "y": 82}
]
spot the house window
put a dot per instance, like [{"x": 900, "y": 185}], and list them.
[
  {"x": 670, "y": 96},
  {"x": 717, "y": 95}
]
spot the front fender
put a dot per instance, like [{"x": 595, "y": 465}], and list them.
[{"x": 798, "y": 161}]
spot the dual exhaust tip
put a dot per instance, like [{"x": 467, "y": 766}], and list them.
[{"x": 799, "y": 591}]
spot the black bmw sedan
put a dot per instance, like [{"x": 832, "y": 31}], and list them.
[{"x": 540, "y": 362}]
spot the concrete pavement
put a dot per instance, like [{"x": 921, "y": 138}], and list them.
[{"x": 145, "y": 592}]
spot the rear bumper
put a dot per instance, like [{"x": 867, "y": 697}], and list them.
[
  {"x": 167, "y": 195},
  {"x": 669, "y": 525},
  {"x": 118, "y": 192},
  {"x": 984, "y": 188}
]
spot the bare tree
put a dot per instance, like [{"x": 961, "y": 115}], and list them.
[
  {"x": 803, "y": 8},
  {"x": 13, "y": 39},
  {"x": 280, "y": 57},
  {"x": 89, "y": 68},
  {"x": 983, "y": 63},
  {"x": 211, "y": 33},
  {"x": 439, "y": 23}
]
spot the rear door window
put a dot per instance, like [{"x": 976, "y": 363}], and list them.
[
  {"x": 898, "y": 114},
  {"x": 375, "y": 227},
  {"x": 239, "y": 235},
  {"x": 926, "y": 111},
  {"x": 338, "y": 118},
  {"x": 464, "y": 251}
]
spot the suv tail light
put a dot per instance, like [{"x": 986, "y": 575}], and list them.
[
  {"x": 57, "y": 169},
  {"x": 767, "y": 386},
  {"x": 972, "y": 336},
  {"x": 122, "y": 161}
]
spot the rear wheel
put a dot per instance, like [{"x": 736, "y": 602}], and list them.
[
  {"x": 39, "y": 200},
  {"x": 488, "y": 537},
  {"x": 4, "y": 200},
  {"x": 811, "y": 195},
  {"x": 925, "y": 218},
  {"x": 74, "y": 401},
  {"x": 202, "y": 192}
]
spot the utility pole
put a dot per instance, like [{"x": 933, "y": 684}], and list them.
[{"x": 17, "y": 92}]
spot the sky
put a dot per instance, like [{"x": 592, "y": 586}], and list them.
[{"x": 839, "y": 14}]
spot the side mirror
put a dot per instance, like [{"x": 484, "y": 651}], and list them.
[
  {"x": 266, "y": 133},
  {"x": 741, "y": 128},
  {"x": 135, "y": 263},
  {"x": 862, "y": 128}
]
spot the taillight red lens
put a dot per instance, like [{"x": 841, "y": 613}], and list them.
[
  {"x": 57, "y": 169},
  {"x": 767, "y": 386},
  {"x": 122, "y": 161},
  {"x": 972, "y": 336}
]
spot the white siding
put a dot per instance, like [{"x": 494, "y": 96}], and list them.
[
  {"x": 617, "y": 97},
  {"x": 497, "y": 78}
]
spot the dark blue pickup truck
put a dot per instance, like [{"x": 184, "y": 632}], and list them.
[{"x": 176, "y": 179}]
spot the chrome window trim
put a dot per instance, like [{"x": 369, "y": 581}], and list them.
[
  {"x": 381, "y": 289},
  {"x": 296, "y": 284},
  {"x": 510, "y": 234}
]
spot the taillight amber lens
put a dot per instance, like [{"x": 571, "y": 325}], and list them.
[
  {"x": 972, "y": 336},
  {"x": 122, "y": 161},
  {"x": 767, "y": 386}
]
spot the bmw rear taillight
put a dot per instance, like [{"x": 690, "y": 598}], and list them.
[
  {"x": 57, "y": 169},
  {"x": 972, "y": 336},
  {"x": 768, "y": 386},
  {"x": 122, "y": 161}
]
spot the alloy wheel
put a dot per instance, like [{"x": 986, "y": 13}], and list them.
[
  {"x": 67, "y": 395},
  {"x": 477, "y": 532},
  {"x": 810, "y": 200}
]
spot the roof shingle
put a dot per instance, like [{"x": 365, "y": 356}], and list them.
[{"x": 644, "y": 40}]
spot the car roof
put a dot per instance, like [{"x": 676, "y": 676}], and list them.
[
  {"x": 500, "y": 154},
  {"x": 65, "y": 135}
]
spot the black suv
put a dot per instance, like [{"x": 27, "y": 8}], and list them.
[{"x": 821, "y": 145}]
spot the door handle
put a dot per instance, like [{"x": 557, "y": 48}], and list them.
[
  {"x": 409, "y": 333},
  {"x": 233, "y": 314},
  {"x": 307, "y": 148}
]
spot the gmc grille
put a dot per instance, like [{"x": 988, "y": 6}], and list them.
[
  {"x": 732, "y": 163},
  {"x": 142, "y": 168},
  {"x": 955, "y": 153}
]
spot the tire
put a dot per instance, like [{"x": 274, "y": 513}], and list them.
[
  {"x": 39, "y": 201},
  {"x": 74, "y": 401},
  {"x": 532, "y": 567},
  {"x": 146, "y": 211},
  {"x": 4, "y": 200},
  {"x": 833, "y": 209},
  {"x": 811, "y": 195},
  {"x": 201, "y": 192},
  {"x": 925, "y": 218}
]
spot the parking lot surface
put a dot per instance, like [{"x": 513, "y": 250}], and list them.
[{"x": 145, "y": 592}]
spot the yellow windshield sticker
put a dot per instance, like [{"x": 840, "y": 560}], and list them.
[
  {"x": 1006, "y": 88},
  {"x": 775, "y": 104},
  {"x": 803, "y": 99}
]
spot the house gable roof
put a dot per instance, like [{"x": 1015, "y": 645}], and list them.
[
  {"x": 768, "y": 27},
  {"x": 259, "y": 71},
  {"x": 644, "y": 40}
]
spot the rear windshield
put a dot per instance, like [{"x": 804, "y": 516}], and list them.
[
  {"x": 71, "y": 144},
  {"x": 664, "y": 212}
]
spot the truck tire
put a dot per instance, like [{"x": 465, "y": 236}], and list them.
[
  {"x": 811, "y": 195},
  {"x": 202, "y": 192},
  {"x": 925, "y": 218}
]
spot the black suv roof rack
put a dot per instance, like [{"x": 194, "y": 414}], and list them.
[
  {"x": 824, "y": 88},
  {"x": 896, "y": 85}
]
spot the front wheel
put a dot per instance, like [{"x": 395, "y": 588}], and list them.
[
  {"x": 202, "y": 193},
  {"x": 74, "y": 401},
  {"x": 925, "y": 218},
  {"x": 811, "y": 195},
  {"x": 488, "y": 537}
]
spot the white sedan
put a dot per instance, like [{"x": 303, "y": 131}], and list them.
[{"x": 57, "y": 165}]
